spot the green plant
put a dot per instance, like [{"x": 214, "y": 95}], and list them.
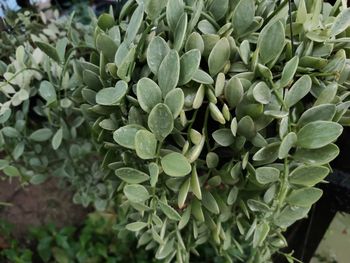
[
  {"x": 214, "y": 119},
  {"x": 214, "y": 122}
]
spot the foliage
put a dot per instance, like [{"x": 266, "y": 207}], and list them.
[{"x": 214, "y": 125}]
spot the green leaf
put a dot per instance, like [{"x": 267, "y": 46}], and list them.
[
  {"x": 113, "y": 95},
  {"x": 175, "y": 100},
  {"x": 327, "y": 95},
  {"x": 317, "y": 134},
  {"x": 11, "y": 171},
  {"x": 271, "y": 42},
  {"x": 266, "y": 175},
  {"x": 154, "y": 173},
  {"x": 183, "y": 192},
  {"x": 232, "y": 196},
  {"x": 324, "y": 112},
  {"x": 180, "y": 32},
  {"x": 234, "y": 92},
  {"x": 223, "y": 137},
  {"x": 304, "y": 197},
  {"x": 61, "y": 47},
  {"x": 161, "y": 121},
  {"x": 210, "y": 203},
  {"x": 197, "y": 211},
  {"x": 246, "y": 127},
  {"x": 216, "y": 114},
  {"x": 136, "y": 226},
  {"x": 202, "y": 77},
  {"x": 169, "y": 211},
  {"x": 107, "y": 46},
  {"x": 219, "y": 56},
  {"x": 105, "y": 21},
  {"x": 194, "y": 41},
  {"x": 341, "y": 23},
  {"x": 298, "y": 91},
  {"x": 174, "y": 11},
  {"x": 287, "y": 144},
  {"x": 195, "y": 185},
  {"x": 319, "y": 156},
  {"x": 145, "y": 144},
  {"x": 41, "y": 135},
  {"x": 218, "y": 8},
  {"x": 156, "y": 52},
  {"x": 243, "y": 16},
  {"x": 131, "y": 176},
  {"x": 48, "y": 50},
  {"x": 169, "y": 72},
  {"x": 125, "y": 136},
  {"x": 148, "y": 94},
  {"x": 289, "y": 71},
  {"x": 260, "y": 234},
  {"x": 308, "y": 175},
  {"x": 175, "y": 164},
  {"x": 57, "y": 139},
  {"x": 262, "y": 93},
  {"x": 189, "y": 64},
  {"x": 10, "y": 132},
  {"x": 267, "y": 154},
  {"x": 153, "y": 8},
  {"x": 47, "y": 92},
  {"x": 212, "y": 160},
  {"x": 198, "y": 99},
  {"x": 289, "y": 215},
  {"x": 136, "y": 193},
  {"x": 134, "y": 24}
]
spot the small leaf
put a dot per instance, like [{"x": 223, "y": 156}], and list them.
[
  {"x": 154, "y": 173},
  {"x": 148, "y": 94},
  {"x": 246, "y": 127},
  {"x": 11, "y": 171},
  {"x": 57, "y": 139},
  {"x": 271, "y": 42},
  {"x": 319, "y": 156},
  {"x": 234, "y": 92},
  {"x": 41, "y": 135},
  {"x": 48, "y": 50},
  {"x": 47, "y": 92},
  {"x": 219, "y": 56},
  {"x": 175, "y": 164},
  {"x": 243, "y": 16},
  {"x": 289, "y": 215},
  {"x": 125, "y": 136},
  {"x": 289, "y": 71},
  {"x": 134, "y": 24},
  {"x": 304, "y": 197},
  {"x": 107, "y": 46},
  {"x": 266, "y": 175},
  {"x": 198, "y": 99},
  {"x": 212, "y": 160},
  {"x": 287, "y": 144},
  {"x": 175, "y": 100},
  {"x": 136, "y": 226},
  {"x": 298, "y": 91},
  {"x": 174, "y": 11},
  {"x": 161, "y": 121},
  {"x": 268, "y": 153},
  {"x": 223, "y": 137},
  {"x": 180, "y": 32},
  {"x": 260, "y": 234},
  {"x": 216, "y": 113},
  {"x": 262, "y": 93},
  {"x": 169, "y": 211},
  {"x": 202, "y": 77},
  {"x": 195, "y": 185},
  {"x": 189, "y": 64},
  {"x": 156, "y": 52},
  {"x": 341, "y": 23},
  {"x": 136, "y": 193},
  {"x": 169, "y": 72},
  {"x": 145, "y": 144},
  {"x": 210, "y": 203},
  {"x": 183, "y": 192},
  {"x": 317, "y": 134},
  {"x": 308, "y": 175},
  {"x": 105, "y": 21},
  {"x": 131, "y": 176},
  {"x": 112, "y": 96},
  {"x": 324, "y": 112}
]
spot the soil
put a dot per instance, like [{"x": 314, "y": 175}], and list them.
[{"x": 38, "y": 205}]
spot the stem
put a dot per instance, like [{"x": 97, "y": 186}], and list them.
[
  {"x": 278, "y": 96},
  {"x": 284, "y": 186}
]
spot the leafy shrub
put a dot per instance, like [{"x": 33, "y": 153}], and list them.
[{"x": 214, "y": 124}]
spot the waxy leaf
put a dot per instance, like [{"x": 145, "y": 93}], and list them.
[
  {"x": 125, "y": 136},
  {"x": 135, "y": 227},
  {"x": 136, "y": 193},
  {"x": 41, "y": 135},
  {"x": 169, "y": 211},
  {"x": 246, "y": 127},
  {"x": 234, "y": 92},
  {"x": 131, "y": 176},
  {"x": 271, "y": 42},
  {"x": 47, "y": 92},
  {"x": 134, "y": 24},
  {"x": 156, "y": 52},
  {"x": 219, "y": 56},
  {"x": 262, "y": 93},
  {"x": 161, "y": 121},
  {"x": 105, "y": 21},
  {"x": 308, "y": 175},
  {"x": 174, "y": 11},
  {"x": 112, "y": 96},
  {"x": 169, "y": 72},
  {"x": 48, "y": 50},
  {"x": 324, "y": 112},
  {"x": 289, "y": 71},
  {"x": 243, "y": 16},
  {"x": 304, "y": 197},
  {"x": 287, "y": 144},
  {"x": 260, "y": 234},
  {"x": 210, "y": 203},
  {"x": 298, "y": 91},
  {"x": 148, "y": 94},
  {"x": 342, "y": 22},
  {"x": 189, "y": 64},
  {"x": 145, "y": 144},
  {"x": 107, "y": 46},
  {"x": 202, "y": 77},
  {"x": 183, "y": 192},
  {"x": 175, "y": 100},
  {"x": 180, "y": 32},
  {"x": 195, "y": 41},
  {"x": 195, "y": 185},
  {"x": 319, "y": 156},
  {"x": 175, "y": 164},
  {"x": 317, "y": 134},
  {"x": 57, "y": 139},
  {"x": 289, "y": 215},
  {"x": 223, "y": 137},
  {"x": 266, "y": 175}
]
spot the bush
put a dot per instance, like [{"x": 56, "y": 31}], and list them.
[{"x": 214, "y": 119}]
